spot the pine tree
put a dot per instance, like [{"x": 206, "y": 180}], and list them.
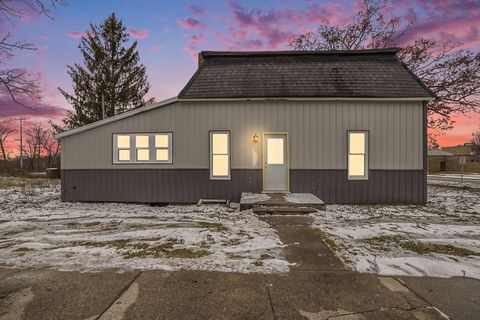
[{"x": 111, "y": 72}]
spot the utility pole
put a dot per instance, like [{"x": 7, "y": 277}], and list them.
[{"x": 21, "y": 142}]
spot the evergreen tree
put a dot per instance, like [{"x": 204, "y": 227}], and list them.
[{"x": 111, "y": 73}]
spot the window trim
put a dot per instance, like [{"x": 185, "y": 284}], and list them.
[
  {"x": 210, "y": 154},
  {"x": 367, "y": 151},
  {"x": 133, "y": 148}
]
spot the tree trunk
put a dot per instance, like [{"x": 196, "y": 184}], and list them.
[{"x": 3, "y": 151}]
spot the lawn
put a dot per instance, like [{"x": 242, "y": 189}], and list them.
[
  {"x": 38, "y": 230},
  {"x": 440, "y": 239}
]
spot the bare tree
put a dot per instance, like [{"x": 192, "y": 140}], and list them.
[
  {"x": 451, "y": 72},
  {"x": 51, "y": 146},
  {"x": 5, "y": 132},
  {"x": 476, "y": 137},
  {"x": 34, "y": 145},
  {"x": 17, "y": 82}
]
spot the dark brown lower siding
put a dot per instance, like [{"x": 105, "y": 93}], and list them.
[
  {"x": 190, "y": 185},
  {"x": 382, "y": 186}
]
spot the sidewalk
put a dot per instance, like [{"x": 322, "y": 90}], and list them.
[{"x": 318, "y": 287}]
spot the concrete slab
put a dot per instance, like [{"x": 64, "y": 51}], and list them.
[
  {"x": 341, "y": 293},
  {"x": 457, "y": 297},
  {"x": 6, "y": 272},
  {"x": 301, "y": 200},
  {"x": 49, "y": 294},
  {"x": 304, "y": 247},
  {"x": 200, "y": 295}
]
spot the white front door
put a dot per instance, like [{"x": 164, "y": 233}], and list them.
[{"x": 275, "y": 162}]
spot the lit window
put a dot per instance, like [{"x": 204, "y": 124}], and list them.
[
  {"x": 275, "y": 154},
  {"x": 162, "y": 147},
  {"x": 220, "y": 155},
  {"x": 123, "y": 147},
  {"x": 142, "y": 148},
  {"x": 141, "y": 144},
  {"x": 124, "y": 155},
  {"x": 357, "y": 155}
]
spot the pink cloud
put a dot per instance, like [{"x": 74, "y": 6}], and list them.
[
  {"x": 272, "y": 29},
  {"x": 139, "y": 34},
  {"x": 77, "y": 34},
  {"x": 192, "y": 45},
  {"x": 452, "y": 21},
  {"x": 191, "y": 24},
  {"x": 197, "y": 10},
  {"x": 155, "y": 48}
]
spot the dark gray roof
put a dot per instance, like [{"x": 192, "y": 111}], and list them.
[
  {"x": 437, "y": 152},
  {"x": 306, "y": 74}
]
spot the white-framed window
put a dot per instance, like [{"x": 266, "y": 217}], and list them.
[
  {"x": 142, "y": 147},
  {"x": 220, "y": 155},
  {"x": 357, "y": 154}
]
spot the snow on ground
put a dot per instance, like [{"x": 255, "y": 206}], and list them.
[
  {"x": 456, "y": 183},
  {"x": 249, "y": 198},
  {"x": 38, "y": 230},
  {"x": 302, "y": 198},
  {"x": 441, "y": 239}
]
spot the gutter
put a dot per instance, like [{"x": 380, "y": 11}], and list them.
[{"x": 118, "y": 117}]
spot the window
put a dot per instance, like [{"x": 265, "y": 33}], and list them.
[
  {"x": 123, "y": 147},
  {"x": 141, "y": 144},
  {"x": 220, "y": 155},
  {"x": 275, "y": 153},
  {"x": 162, "y": 147},
  {"x": 142, "y": 148},
  {"x": 357, "y": 155}
]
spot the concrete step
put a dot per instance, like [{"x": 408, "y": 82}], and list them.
[
  {"x": 281, "y": 200},
  {"x": 286, "y": 210}
]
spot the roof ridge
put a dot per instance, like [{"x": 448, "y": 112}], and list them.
[{"x": 389, "y": 51}]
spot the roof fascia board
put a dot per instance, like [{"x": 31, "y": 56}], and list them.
[
  {"x": 121, "y": 116},
  {"x": 309, "y": 99}
]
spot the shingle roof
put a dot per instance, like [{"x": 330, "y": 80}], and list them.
[
  {"x": 437, "y": 152},
  {"x": 307, "y": 74}
]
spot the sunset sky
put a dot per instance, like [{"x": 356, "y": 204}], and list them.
[{"x": 170, "y": 33}]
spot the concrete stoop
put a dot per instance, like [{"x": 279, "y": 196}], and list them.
[
  {"x": 263, "y": 210},
  {"x": 281, "y": 203}
]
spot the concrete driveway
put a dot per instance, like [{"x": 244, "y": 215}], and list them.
[{"x": 318, "y": 287}]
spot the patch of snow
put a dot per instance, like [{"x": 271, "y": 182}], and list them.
[
  {"x": 249, "y": 198},
  {"x": 302, "y": 198},
  {"x": 451, "y": 217},
  {"x": 39, "y": 230}
]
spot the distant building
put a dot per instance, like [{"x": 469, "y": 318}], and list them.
[{"x": 448, "y": 158}]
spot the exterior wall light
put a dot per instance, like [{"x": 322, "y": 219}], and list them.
[{"x": 255, "y": 138}]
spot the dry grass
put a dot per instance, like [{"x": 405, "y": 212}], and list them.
[
  {"x": 7, "y": 182},
  {"x": 163, "y": 250},
  {"x": 328, "y": 241},
  {"x": 218, "y": 227},
  {"x": 425, "y": 248}
]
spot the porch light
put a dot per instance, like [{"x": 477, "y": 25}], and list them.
[{"x": 255, "y": 138}]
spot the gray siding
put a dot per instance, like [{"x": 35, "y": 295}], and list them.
[
  {"x": 317, "y": 134},
  {"x": 188, "y": 186}
]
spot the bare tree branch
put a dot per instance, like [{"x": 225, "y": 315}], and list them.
[
  {"x": 17, "y": 83},
  {"x": 451, "y": 72},
  {"x": 5, "y": 132}
]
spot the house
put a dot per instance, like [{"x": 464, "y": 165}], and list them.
[
  {"x": 346, "y": 126},
  {"x": 437, "y": 160},
  {"x": 448, "y": 158}
]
